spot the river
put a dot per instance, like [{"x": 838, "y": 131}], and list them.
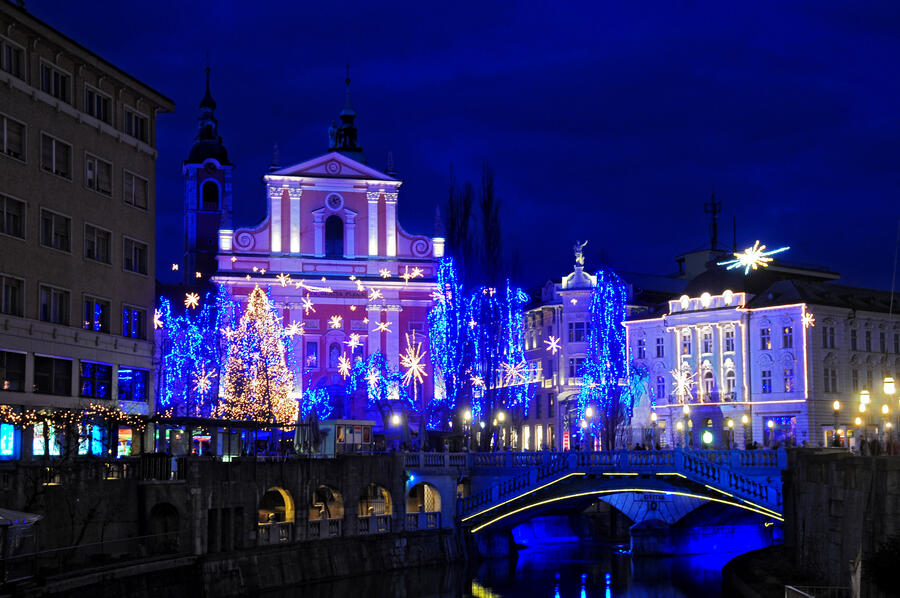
[{"x": 556, "y": 570}]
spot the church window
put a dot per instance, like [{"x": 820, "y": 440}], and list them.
[
  {"x": 334, "y": 354},
  {"x": 210, "y": 196},
  {"x": 334, "y": 237}
]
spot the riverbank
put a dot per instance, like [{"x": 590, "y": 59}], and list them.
[{"x": 761, "y": 573}]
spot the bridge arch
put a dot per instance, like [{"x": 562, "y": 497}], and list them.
[
  {"x": 423, "y": 498},
  {"x": 375, "y": 500},
  {"x": 276, "y": 506},
  {"x": 326, "y": 502}
]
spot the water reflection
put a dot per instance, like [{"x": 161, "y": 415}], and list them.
[{"x": 562, "y": 570}]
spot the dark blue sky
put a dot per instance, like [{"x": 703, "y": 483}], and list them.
[{"x": 602, "y": 121}]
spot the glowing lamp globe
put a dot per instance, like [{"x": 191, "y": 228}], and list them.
[
  {"x": 395, "y": 419},
  {"x": 730, "y": 423},
  {"x": 501, "y": 417},
  {"x": 679, "y": 426},
  {"x": 467, "y": 415},
  {"x": 589, "y": 412},
  {"x": 686, "y": 409},
  {"x": 864, "y": 397},
  {"x": 745, "y": 420},
  {"x": 884, "y": 409},
  {"x": 653, "y": 417},
  {"x": 889, "y": 386},
  {"x": 837, "y": 405},
  {"x": 858, "y": 421},
  {"x": 707, "y": 437},
  {"x": 771, "y": 423},
  {"x": 862, "y": 407}
]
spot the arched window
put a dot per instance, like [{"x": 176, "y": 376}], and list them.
[
  {"x": 210, "y": 196},
  {"x": 729, "y": 381},
  {"x": 334, "y": 237},
  {"x": 708, "y": 384},
  {"x": 334, "y": 353}
]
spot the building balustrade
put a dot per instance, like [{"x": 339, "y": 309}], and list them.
[{"x": 373, "y": 524}]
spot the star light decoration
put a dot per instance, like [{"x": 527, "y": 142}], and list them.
[
  {"x": 353, "y": 343},
  {"x": 553, "y": 345},
  {"x": 307, "y": 305},
  {"x": 295, "y": 328},
  {"x": 752, "y": 258},
  {"x": 174, "y": 267},
  {"x": 477, "y": 381},
  {"x": 437, "y": 297},
  {"x": 375, "y": 294},
  {"x": 385, "y": 273},
  {"x": 408, "y": 274},
  {"x": 157, "y": 319},
  {"x": 513, "y": 373},
  {"x": 684, "y": 382},
  {"x": 284, "y": 279},
  {"x": 335, "y": 321},
  {"x": 383, "y": 327},
  {"x": 412, "y": 360},
  {"x": 191, "y": 300},
  {"x": 203, "y": 380},
  {"x": 809, "y": 319},
  {"x": 300, "y": 284},
  {"x": 344, "y": 366},
  {"x": 360, "y": 287},
  {"x": 473, "y": 323}
]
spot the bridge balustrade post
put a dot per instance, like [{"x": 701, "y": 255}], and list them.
[
  {"x": 572, "y": 460},
  {"x": 532, "y": 476},
  {"x": 735, "y": 459}
]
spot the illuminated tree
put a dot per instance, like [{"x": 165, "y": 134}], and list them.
[
  {"x": 447, "y": 329},
  {"x": 605, "y": 362},
  {"x": 258, "y": 382}
]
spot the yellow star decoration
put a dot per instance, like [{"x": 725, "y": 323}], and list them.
[
  {"x": 684, "y": 381},
  {"x": 360, "y": 287},
  {"x": 300, "y": 284},
  {"x": 352, "y": 277},
  {"x": 233, "y": 259},
  {"x": 375, "y": 294},
  {"x": 343, "y": 366},
  {"x": 307, "y": 305},
  {"x": 473, "y": 323},
  {"x": 372, "y": 377},
  {"x": 573, "y": 301},
  {"x": 294, "y": 328},
  {"x": 478, "y": 381},
  {"x": 157, "y": 319},
  {"x": 335, "y": 322},
  {"x": 513, "y": 373},
  {"x": 198, "y": 275},
  {"x": 437, "y": 297},
  {"x": 385, "y": 273},
  {"x": 262, "y": 270},
  {"x": 353, "y": 343},
  {"x": 552, "y": 345},
  {"x": 752, "y": 258},
  {"x": 284, "y": 279},
  {"x": 365, "y": 320},
  {"x": 191, "y": 300},
  {"x": 408, "y": 274},
  {"x": 809, "y": 320},
  {"x": 229, "y": 333},
  {"x": 256, "y": 268},
  {"x": 352, "y": 308},
  {"x": 203, "y": 380},
  {"x": 174, "y": 267},
  {"x": 383, "y": 326},
  {"x": 412, "y": 360}
]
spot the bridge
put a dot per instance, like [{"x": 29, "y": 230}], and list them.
[{"x": 509, "y": 488}]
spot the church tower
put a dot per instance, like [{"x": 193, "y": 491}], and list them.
[{"x": 207, "y": 195}]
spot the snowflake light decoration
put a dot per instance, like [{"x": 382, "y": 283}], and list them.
[
  {"x": 553, "y": 345},
  {"x": 192, "y": 300},
  {"x": 809, "y": 319},
  {"x": 412, "y": 360},
  {"x": 353, "y": 343},
  {"x": 752, "y": 258},
  {"x": 294, "y": 328},
  {"x": 384, "y": 273},
  {"x": 344, "y": 366},
  {"x": 157, "y": 319},
  {"x": 473, "y": 323},
  {"x": 408, "y": 274},
  {"x": 684, "y": 382},
  {"x": 301, "y": 284},
  {"x": 360, "y": 287},
  {"x": 513, "y": 373},
  {"x": 335, "y": 321},
  {"x": 203, "y": 380},
  {"x": 198, "y": 275},
  {"x": 478, "y": 381},
  {"x": 174, "y": 267},
  {"x": 383, "y": 326},
  {"x": 307, "y": 304},
  {"x": 284, "y": 279},
  {"x": 375, "y": 294},
  {"x": 437, "y": 297}
]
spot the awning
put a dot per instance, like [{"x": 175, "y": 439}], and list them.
[{"x": 17, "y": 518}]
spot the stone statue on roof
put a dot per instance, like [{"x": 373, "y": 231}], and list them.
[{"x": 579, "y": 255}]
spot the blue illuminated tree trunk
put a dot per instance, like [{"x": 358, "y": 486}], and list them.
[{"x": 604, "y": 377}]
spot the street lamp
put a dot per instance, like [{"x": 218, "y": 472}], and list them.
[
  {"x": 730, "y": 423},
  {"x": 686, "y": 412},
  {"x": 653, "y": 418},
  {"x": 771, "y": 425},
  {"x": 467, "y": 418},
  {"x": 834, "y": 436},
  {"x": 745, "y": 420},
  {"x": 501, "y": 417}
]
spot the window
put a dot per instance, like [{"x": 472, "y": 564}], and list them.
[
  {"x": 729, "y": 340},
  {"x": 56, "y": 156},
  {"x": 853, "y": 339},
  {"x": 56, "y": 231},
  {"x": 551, "y": 405},
  {"x": 830, "y": 379},
  {"x": 96, "y": 315},
  {"x": 132, "y": 384},
  {"x": 868, "y": 340},
  {"x": 135, "y": 256},
  {"x": 765, "y": 338},
  {"x": 95, "y": 380},
  {"x": 12, "y": 137},
  {"x": 537, "y": 407},
  {"x": 882, "y": 342},
  {"x": 96, "y": 243},
  {"x": 709, "y": 384},
  {"x": 12, "y": 58},
  {"x": 134, "y": 322},
  {"x": 54, "y": 305},
  {"x": 12, "y": 371},
  {"x": 12, "y": 216},
  {"x": 134, "y": 190},
  {"x": 210, "y": 196},
  {"x": 766, "y": 381},
  {"x": 854, "y": 379},
  {"x": 685, "y": 343},
  {"x": 52, "y": 376},
  {"x": 12, "y": 296},
  {"x": 55, "y": 82},
  {"x": 97, "y": 174},
  {"x": 788, "y": 379},
  {"x": 660, "y": 387},
  {"x": 576, "y": 332},
  {"x": 660, "y": 347},
  {"x": 312, "y": 354},
  {"x": 42, "y": 436},
  {"x": 575, "y": 367},
  {"x": 334, "y": 237},
  {"x": 641, "y": 349},
  {"x": 707, "y": 341},
  {"x": 729, "y": 381},
  {"x": 869, "y": 379},
  {"x": 135, "y": 125},
  {"x": 787, "y": 337},
  {"x": 828, "y": 337},
  {"x": 96, "y": 104}
]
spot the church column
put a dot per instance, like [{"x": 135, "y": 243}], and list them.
[
  {"x": 391, "y": 222},
  {"x": 295, "y": 195},
  {"x": 393, "y": 339},
  {"x": 275, "y": 194},
  {"x": 372, "y": 196},
  {"x": 349, "y": 234},
  {"x": 318, "y": 233}
]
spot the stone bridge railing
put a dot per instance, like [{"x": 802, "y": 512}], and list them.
[{"x": 747, "y": 475}]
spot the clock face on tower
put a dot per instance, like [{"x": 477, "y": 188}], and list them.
[{"x": 334, "y": 201}]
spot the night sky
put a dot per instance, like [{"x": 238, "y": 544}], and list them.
[{"x": 603, "y": 122}]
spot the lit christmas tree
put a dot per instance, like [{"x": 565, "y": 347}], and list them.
[{"x": 258, "y": 382}]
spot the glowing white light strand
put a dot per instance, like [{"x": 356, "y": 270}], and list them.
[{"x": 752, "y": 258}]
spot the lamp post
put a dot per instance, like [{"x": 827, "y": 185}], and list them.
[
  {"x": 679, "y": 426},
  {"x": 745, "y": 420},
  {"x": 834, "y": 435},
  {"x": 467, "y": 418},
  {"x": 686, "y": 412},
  {"x": 653, "y": 418},
  {"x": 501, "y": 417},
  {"x": 730, "y": 424},
  {"x": 586, "y": 425},
  {"x": 885, "y": 417},
  {"x": 771, "y": 425},
  {"x": 858, "y": 423}
]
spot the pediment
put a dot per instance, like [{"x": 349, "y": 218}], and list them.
[{"x": 333, "y": 165}]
